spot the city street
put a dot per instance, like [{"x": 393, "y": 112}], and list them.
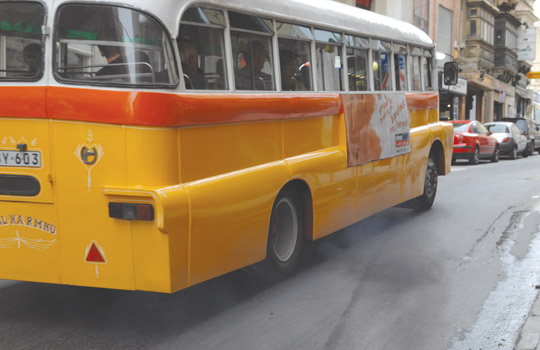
[{"x": 460, "y": 276}]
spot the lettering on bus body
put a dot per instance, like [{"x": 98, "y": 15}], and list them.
[
  {"x": 21, "y": 221},
  {"x": 377, "y": 127},
  {"x": 27, "y": 221}
]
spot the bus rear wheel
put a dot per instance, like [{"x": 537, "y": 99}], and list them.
[{"x": 286, "y": 233}]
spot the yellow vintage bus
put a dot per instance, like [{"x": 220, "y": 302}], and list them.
[{"x": 155, "y": 145}]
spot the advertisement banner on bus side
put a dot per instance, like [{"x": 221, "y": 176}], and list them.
[{"x": 377, "y": 127}]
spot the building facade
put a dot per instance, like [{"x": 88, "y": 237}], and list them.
[
  {"x": 494, "y": 61},
  {"x": 494, "y": 43}
]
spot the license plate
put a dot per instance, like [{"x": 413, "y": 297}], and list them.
[{"x": 30, "y": 159}]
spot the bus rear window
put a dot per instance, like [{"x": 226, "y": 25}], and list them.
[
  {"x": 21, "y": 53},
  {"x": 109, "y": 45}
]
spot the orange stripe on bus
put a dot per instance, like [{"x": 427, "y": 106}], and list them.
[
  {"x": 427, "y": 100},
  {"x": 23, "y": 101},
  {"x": 163, "y": 109},
  {"x": 167, "y": 109}
]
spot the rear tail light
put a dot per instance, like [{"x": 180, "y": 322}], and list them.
[
  {"x": 505, "y": 140},
  {"x": 131, "y": 211}
]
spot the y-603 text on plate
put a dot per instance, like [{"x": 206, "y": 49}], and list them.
[{"x": 30, "y": 159}]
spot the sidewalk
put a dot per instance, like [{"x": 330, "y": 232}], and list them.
[{"x": 529, "y": 339}]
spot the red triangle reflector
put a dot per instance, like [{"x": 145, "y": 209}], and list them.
[{"x": 94, "y": 255}]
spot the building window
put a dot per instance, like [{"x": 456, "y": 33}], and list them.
[
  {"x": 482, "y": 25},
  {"x": 472, "y": 25},
  {"x": 444, "y": 32},
  {"x": 421, "y": 14}
]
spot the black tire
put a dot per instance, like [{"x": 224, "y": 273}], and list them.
[
  {"x": 496, "y": 155},
  {"x": 425, "y": 201},
  {"x": 513, "y": 153},
  {"x": 285, "y": 234},
  {"x": 475, "y": 158},
  {"x": 525, "y": 152}
]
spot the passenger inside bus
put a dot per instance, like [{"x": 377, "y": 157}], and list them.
[
  {"x": 32, "y": 58},
  {"x": 220, "y": 71},
  {"x": 113, "y": 55},
  {"x": 289, "y": 80},
  {"x": 251, "y": 76},
  {"x": 193, "y": 75}
]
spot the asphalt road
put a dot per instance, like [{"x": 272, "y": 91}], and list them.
[{"x": 460, "y": 276}]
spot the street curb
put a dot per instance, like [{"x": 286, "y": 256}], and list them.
[{"x": 529, "y": 338}]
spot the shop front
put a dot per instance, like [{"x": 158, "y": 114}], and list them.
[
  {"x": 523, "y": 98},
  {"x": 452, "y": 100},
  {"x": 479, "y": 100},
  {"x": 504, "y": 101}
]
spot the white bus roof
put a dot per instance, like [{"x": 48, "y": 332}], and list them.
[{"x": 325, "y": 14}]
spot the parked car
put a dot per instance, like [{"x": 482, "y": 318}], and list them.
[
  {"x": 531, "y": 131},
  {"x": 473, "y": 142},
  {"x": 511, "y": 140}
]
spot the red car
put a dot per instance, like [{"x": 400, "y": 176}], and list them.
[{"x": 472, "y": 141}]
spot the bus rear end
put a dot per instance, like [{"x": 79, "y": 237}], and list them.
[{"x": 83, "y": 185}]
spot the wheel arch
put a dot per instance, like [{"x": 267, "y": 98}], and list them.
[
  {"x": 438, "y": 151},
  {"x": 304, "y": 193}
]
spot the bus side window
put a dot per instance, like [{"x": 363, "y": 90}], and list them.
[
  {"x": 414, "y": 68},
  {"x": 401, "y": 72},
  {"x": 253, "y": 64},
  {"x": 415, "y": 72},
  {"x": 381, "y": 64},
  {"x": 328, "y": 60},
  {"x": 357, "y": 63},
  {"x": 400, "y": 67},
  {"x": 202, "y": 55},
  {"x": 202, "y": 49},
  {"x": 252, "y": 53},
  {"x": 426, "y": 71},
  {"x": 294, "y": 61},
  {"x": 294, "y": 43},
  {"x": 381, "y": 71}
]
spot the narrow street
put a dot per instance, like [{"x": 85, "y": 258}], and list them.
[{"x": 460, "y": 276}]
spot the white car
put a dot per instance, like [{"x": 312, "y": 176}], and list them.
[{"x": 511, "y": 140}]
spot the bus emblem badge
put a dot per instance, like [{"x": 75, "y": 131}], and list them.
[
  {"x": 89, "y": 157},
  {"x": 89, "y": 154}
]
